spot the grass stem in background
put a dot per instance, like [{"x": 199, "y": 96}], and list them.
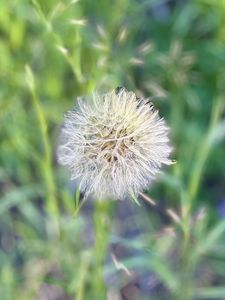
[{"x": 46, "y": 162}]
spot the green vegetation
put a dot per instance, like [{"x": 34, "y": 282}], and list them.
[{"x": 52, "y": 244}]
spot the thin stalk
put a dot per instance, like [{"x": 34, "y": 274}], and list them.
[
  {"x": 84, "y": 269},
  {"x": 74, "y": 61},
  {"x": 46, "y": 163},
  {"x": 187, "y": 260},
  {"x": 203, "y": 153},
  {"x": 102, "y": 224}
]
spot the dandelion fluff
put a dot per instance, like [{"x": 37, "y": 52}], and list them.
[{"x": 115, "y": 144}]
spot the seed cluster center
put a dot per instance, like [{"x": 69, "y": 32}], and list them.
[{"x": 116, "y": 144}]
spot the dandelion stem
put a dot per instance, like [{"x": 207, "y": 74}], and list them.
[{"x": 101, "y": 220}]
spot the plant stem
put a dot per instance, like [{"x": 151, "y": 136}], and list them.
[
  {"x": 102, "y": 223},
  {"x": 46, "y": 162}
]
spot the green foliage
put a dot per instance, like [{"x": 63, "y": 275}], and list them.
[{"x": 53, "y": 51}]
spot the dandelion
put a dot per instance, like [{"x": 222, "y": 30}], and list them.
[{"x": 115, "y": 144}]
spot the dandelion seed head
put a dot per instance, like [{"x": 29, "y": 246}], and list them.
[{"x": 115, "y": 144}]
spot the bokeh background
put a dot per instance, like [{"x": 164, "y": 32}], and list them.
[{"x": 53, "y": 244}]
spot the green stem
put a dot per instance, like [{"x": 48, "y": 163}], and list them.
[
  {"x": 85, "y": 264},
  {"x": 203, "y": 153},
  {"x": 185, "y": 291},
  {"x": 102, "y": 223},
  {"x": 46, "y": 162}
]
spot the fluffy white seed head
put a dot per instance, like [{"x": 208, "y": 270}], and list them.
[{"x": 114, "y": 144}]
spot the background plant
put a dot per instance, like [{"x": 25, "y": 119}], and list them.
[{"x": 55, "y": 246}]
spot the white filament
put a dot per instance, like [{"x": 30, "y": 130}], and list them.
[{"x": 114, "y": 145}]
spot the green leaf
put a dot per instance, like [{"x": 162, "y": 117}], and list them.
[
  {"x": 17, "y": 196},
  {"x": 212, "y": 237}
]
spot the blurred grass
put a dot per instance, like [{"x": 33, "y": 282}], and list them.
[{"x": 51, "y": 242}]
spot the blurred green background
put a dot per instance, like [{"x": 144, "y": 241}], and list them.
[{"x": 55, "y": 246}]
